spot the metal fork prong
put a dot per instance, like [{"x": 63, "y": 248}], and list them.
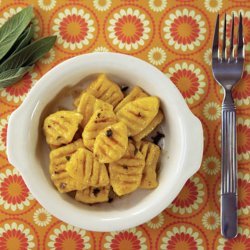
[
  {"x": 224, "y": 38},
  {"x": 215, "y": 51},
  {"x": 240, "y": 39},
  {"x": 232, "y": 38}
]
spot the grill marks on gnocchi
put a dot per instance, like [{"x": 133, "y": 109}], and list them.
[
  {"x": 111, "y": 143},
  {"x": 110, "y": 156},
  {"x": 60, "y": 127},
  {"x": 126, "y": 173},
  {"x": 97, "y": 122},
  {"x": 106, "y": 90},
  {"x": 58, "y": 160},
  {"x": 138, "y": 114},
  {"x": 151, "y": 154},
  {"x": 88, "y": 104},
  {"x": 135, "y": 93},
  {"x": 85, "y": 169},
  {"x": 151, "y": 126}
]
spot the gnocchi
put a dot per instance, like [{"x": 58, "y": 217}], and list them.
[{"x": 102, "y": 147}]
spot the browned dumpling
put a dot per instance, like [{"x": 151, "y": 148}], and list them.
[
  {"x": 60, "y": 127},
  {"x": 111, "y": 143},
  {"x": 138, "y": 114},
  {"x": 135, "y": 93},
  {"x": 151, "y": 154},
  {"x": 106, "y": 90},
  {"x": 126, "y": 173},
  {"x": 98, "y": 121},
  {"x": 151, "y": 126},
  {"x": 86, "y": 170},
  {"x": 58, "y": 159},
  {"x": 88, "y": 104}
]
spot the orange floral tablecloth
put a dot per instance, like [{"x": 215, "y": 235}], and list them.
[{"x": 176, "y": 37}]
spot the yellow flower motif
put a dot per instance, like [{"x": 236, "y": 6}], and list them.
[
  {"x": 157, "y": 7},
  {"x": 157, "y": 56},
  {"x": 212, "y": 111},
  {"x": 211, "y": 165},
  {"x": 211, "y": 220},
  {"x": 213, "y": 5},
  {"x": 102, "y": 5}
]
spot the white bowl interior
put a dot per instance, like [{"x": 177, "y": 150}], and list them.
[{"x": 129, "y": 210}]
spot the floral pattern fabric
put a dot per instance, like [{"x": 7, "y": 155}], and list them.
[{"x": 175, "y": 37}]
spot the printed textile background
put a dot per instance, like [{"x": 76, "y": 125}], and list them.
[{"x": 176, "y": 37}]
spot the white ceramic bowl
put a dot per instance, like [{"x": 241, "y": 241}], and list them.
[{"x": 180, "y": 159}]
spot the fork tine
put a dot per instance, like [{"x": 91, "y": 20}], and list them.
[
  {"x": 216, "y": 39},
  {"x": 240, "y": 39},
  {"x": 232, "y": 38},
  {"x": 224, "y": 38}
]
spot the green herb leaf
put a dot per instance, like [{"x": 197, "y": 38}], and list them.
[
  {"x": 13, "y": 28},
  {"x": 30, "y": 54},
  {"x": 23, "y": 40},
  {"x": 11, "y": 76}
]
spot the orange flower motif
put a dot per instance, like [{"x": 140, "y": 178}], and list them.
[
  {"x": 129, "y": 20},
  {"x": 245, "y": 187},
  {"x": 74, "y": 36},
  {"x": 129, "y": 29},
  {"x": 74, "y": 28},
  {"x": 184, "y": 30},
  {"x": 18, "y": 91},
  {"x": 13, "y": 192},
  {"x": 182, "y": 236},
  {"x": 190, "y": 197},
  {"x": 188, "y": 21},
  {"x": 243, "y": 129},
  {"x": 129, "y": 239},
  {"x": 16, "y": 236},
  {"x": 242, "y": 241},
  {"x": 3, "y": 133},
  {"x": 189, "y": 81},
  {"x": 69, "y": 237},
  {"x": 244, "y": 193},
  {"x": 246, "y": 25},
  {"x": 242, "y": 92}
]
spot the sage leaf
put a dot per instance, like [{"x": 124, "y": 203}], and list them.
[
  {"x": 13, "y": 28},
  {"x": 29, "y": 54},
  {"x": 11, "y": 76},
  {"x": 23, "y": 40}
]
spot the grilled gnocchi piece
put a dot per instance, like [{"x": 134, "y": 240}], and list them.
[
  {"x": 86, "y": 170},
  {"x": 98, "y": 121},
  {"x": 101, "y": 105},
  {"x": 88, "y": 104},
  {"x": 126, "y": 173},
  {"x": 151, "y": 126},
  {"x": 135, "y": 93},
  {"x": 138, "y": 114},
  {"x": 93, "y": 195},
  {"x": 60, "y": 127},
  {"x": 86, "y": 107},
  {"x": 105, "y": 90},
  {"x": 58, "y": 160},
  {"x": 111, "y": 143},
  {"x": 151, "y": 154}
]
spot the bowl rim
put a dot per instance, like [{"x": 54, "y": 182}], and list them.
[{"x": 192, "y": 130}]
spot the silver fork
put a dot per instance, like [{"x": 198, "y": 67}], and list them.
[{"x": 227, "y": 71}]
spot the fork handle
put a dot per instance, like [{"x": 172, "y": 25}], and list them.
[{"x": 229, "y": 199}]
